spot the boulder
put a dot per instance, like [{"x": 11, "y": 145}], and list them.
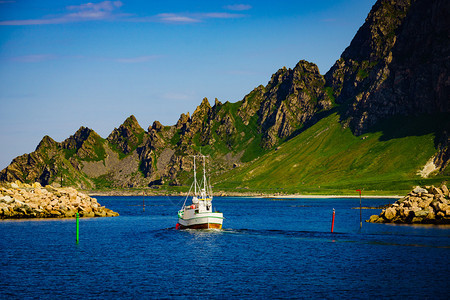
[
  {"x": 442, "y": 207},
  {"x": 32, "y": 201},
  {"x": 445, "y": 190},
  {"x": 36, "y": 185},
  {"x": 418, "y": 190},
  {"x": 419, "y": 206},
  {"x": 416, "y": 220},
  {"x": 390, "y": 213},
  {"x": 425, "y": 202},
  {"x": 6, "y": 199},
  {"x": 100, "y": 213},
  {"x": 431, "y": 216},
  {"x": 421, "y": 213},
  {"x": 374, "y": 219},
  {"x": 436, "y": 191}
]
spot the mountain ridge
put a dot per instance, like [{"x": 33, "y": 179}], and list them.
[{"x": 375, "y": 79}]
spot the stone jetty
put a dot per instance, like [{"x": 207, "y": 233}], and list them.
[
  {"x": 21, "y": 201},
  {"x": 429, "y": 205}
]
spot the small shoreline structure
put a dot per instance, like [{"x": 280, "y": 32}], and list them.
[
  {"x": 24, "y": 201},
  {"x": 429, "y": 205}
]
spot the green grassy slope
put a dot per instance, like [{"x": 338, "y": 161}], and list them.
[{"x": 327, "y": 159}]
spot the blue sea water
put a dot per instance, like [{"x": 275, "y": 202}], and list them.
[{"x": 268, "y": 249}]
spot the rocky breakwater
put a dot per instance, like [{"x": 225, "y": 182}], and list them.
[
  {"x": 429, "y": 205},
  {"x": 20, "y": 201}
]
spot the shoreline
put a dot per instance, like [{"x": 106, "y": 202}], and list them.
[{"x": 222, "y": 194}]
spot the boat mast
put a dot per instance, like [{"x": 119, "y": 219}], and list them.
[
  {"x": 195, "y": 179},
  {"x": 204, "y": 173}
]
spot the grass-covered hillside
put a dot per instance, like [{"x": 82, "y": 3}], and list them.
[{"x": 328, "y": 159}]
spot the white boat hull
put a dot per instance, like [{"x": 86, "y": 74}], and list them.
[{"x": 210, "y": 220}]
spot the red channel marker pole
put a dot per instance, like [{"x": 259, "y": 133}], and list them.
[{"x": 332, "y": 222}]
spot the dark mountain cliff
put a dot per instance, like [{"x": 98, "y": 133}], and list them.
[{"x": 396, "y": 65}]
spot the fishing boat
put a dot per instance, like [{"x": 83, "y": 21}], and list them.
[{"x": 199, "y": 213}]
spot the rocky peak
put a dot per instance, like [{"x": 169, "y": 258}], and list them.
[
  {"x": 376, "y": 37},
  {"x": 217, "y": 103},
  {"x": 251, "y": 104},
  {"x": 373, "y": 41},
  {"x": 291, "y": 98},
  {"x": 76, "y": 141},
  {"x": 132, "y": 124},
  {"x": 157, "y": 126},
  {"x": 199, "y": 116},
  {"x": 278, "y": 77},
  {"x": 128, "y": 136},
  {"x": 202, "y": 110},
  {"x": 46, "y": 143},
  {"x": 183, "y": 120}
]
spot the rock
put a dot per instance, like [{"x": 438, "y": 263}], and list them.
[
  {"x": 374, "y": 219},
  {"x": 6, "y": 199},
  {"x": 416, "y": 220},
  {"x": 100, "y": 213},
  {"x": 442, "y": 207},
  {"x": 55, "y": 213},
  {"x": 436, "y": 191},
  {"x": 43, "y": 203},
  {"x": 36, "y": 185},
  {"x": 428, "y": 209},
  {"x": 425, "y": 202},
  {"x": 418, "y": 189},
  {"x": 390, "y": 213},
  {"x": 445, "y": 190},
  {"x": 421, "y": 213}
]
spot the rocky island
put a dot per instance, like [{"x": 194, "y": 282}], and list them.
[
  {"x": 429, "y": 205},
  {"x": 20, "y": 201}
]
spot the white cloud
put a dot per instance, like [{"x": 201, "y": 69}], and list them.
[
  {"x": 191, "y": 17},
  {"x": 109, "y": 10},
  {"x": 77, "y": 13},
  {"x": 175, "y": 18},
  {"x": 238, "y": 7},
  {"x": 222, "y": 16},
  {"x": 93, "y": 10}
]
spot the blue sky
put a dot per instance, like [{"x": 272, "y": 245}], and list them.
[{"x": 66, "y": 64}]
